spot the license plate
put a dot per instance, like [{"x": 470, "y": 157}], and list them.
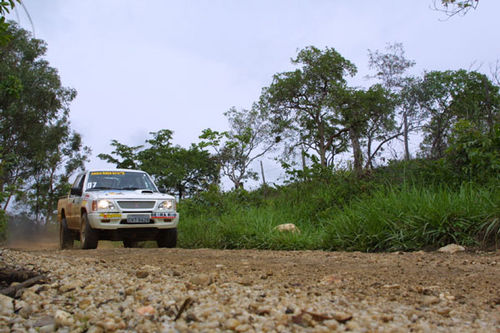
[{"x": 138, "y": 219}]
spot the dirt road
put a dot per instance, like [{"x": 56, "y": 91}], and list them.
[{"x": 167, "y": 290}]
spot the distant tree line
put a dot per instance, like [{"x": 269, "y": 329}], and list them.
[{"x": 312, "y": 112}]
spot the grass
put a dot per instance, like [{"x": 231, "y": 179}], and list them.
[{"x": 343, "y": 213}]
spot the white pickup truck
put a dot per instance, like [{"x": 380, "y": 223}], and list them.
[{"x": 119, "y": 205}]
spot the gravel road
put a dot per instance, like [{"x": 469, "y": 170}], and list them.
[{"x": 204, "y": 290}]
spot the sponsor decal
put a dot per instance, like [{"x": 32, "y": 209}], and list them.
[
  {"x": 107, "y": 173},
  {"x": 162, "y": 215},
  {"x": 110, "y": 215}
]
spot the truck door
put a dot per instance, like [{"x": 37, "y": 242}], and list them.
[{"x": 74, "y": 202}]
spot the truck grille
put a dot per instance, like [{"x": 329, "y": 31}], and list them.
[{"x": 136, "y": 204}]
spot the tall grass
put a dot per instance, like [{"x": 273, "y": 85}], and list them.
[
  {"x": 404, "y": 206},
  {"x": 414, "y": 218}
]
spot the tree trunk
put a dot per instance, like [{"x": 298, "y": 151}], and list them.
[
  {"x": 357, "y": 153},
  {"x": 406, "y": 139}
]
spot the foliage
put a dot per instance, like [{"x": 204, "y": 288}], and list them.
[
  {"x": 237, "y": 148},
  {"x": 305, "y": 105},
  {"x": 454, "y": 7},
  {"x": 180, "y": 170},
  {"x": 127, "y": 154},
  {"x": 5, "y": 8},
  {"x": 38, "y": 148},
  {"x": 345, "y": 214},
  {"x": 451, "y": 96},
  {"x": 413, "y": 218},
  {"x": 473, "y": 154},
  {"x": 391, "y": 68}
]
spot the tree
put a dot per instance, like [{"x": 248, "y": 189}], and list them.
[
  {"x": 5, "y": 7},
  {"x": 391, "y": 68},
  {"x": 36, "y": 142},
  {"x": 304, "y": 105},
  {"x": 62, "y": 154},
  {"x": 454, "y": 7},
  {"x": 127, "y": 154},
  {"x": 452, "y": 96},
  {"x": 237, "y": 149},
  {"x": 369, "y": 116},
  {"x": 184, "y": 171}
]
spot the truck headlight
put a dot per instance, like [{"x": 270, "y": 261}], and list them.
[
  {"x": 103, "y": 204},
  {"x": 167, "y": 205}
]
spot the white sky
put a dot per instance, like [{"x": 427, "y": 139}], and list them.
[{"x": 142, "y": 66}]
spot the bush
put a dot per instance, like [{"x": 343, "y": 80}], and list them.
[{"x": 474, "y": 155}]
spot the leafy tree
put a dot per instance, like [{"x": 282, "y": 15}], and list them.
[
  {"x": 391, "y": 68},
  {"x": 184, "y": 171},
  {"x": 452, "y": 96},
  {"x": 304, "y": 105},
  {"x": 314, "y": 108},
  {"x": 369, "y": 116},
  {"x": 61, "y": 154},
  {"x": 36, "y": 143},
  {"x": 5, "y": 7},
  {"x": 473, "y": 154},
  {"x": 245, "y": 142},
  {"x": 127, "y": 154}
]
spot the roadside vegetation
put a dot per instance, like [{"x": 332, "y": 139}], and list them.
[
  {"x": 395, "y": 208},
  {"x": 409, "y": 161}
]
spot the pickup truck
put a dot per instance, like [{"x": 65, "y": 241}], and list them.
[{"x": 118, "y": 205}]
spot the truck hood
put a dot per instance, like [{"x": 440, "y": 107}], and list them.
[{"x": 127, "y": 195}]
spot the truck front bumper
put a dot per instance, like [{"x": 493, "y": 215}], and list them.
[{"x": 115, "y": 221}]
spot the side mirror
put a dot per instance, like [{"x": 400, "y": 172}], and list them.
[
  {"x": 163, "y": 189},
  {"x": 75, "y": 191}
]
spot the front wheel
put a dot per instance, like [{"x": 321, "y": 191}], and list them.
[
  {"x": 167, "y": 238},
  {"x": 66, "y": 238},
  {"x": 88, "y": 236}
]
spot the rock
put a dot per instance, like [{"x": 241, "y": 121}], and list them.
[
  {"x": 451, "y": 248},
  {"x": 342, "y": 317},
  {"x": 62, "y": 318},
  {"x": 287, "y": 227},
  {"x": 246, "y": 281},
  {"x": 201, "y": 280},
  {"x": 84, "y": 303},
  {"x": 6, "y": 305},
  {"x": 147, "y": 310},
  {"x": 141, "y": 274},
  {"x": 231, "y": 323},
  {"x": 430, "y": 300},
  {"x": 70, "y": 286},
  {"x": 48, "y": 328},
  {"x": 44, "y": 321}
]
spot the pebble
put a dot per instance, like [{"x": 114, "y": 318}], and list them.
[{"x": 85, "y": 296}]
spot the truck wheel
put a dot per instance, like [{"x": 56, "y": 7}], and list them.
[
  {"x": 167, "y": 238},
  {"x": 129, "y": 243},
  {"x": 66, "y": 237},
  {"x": 88, "y": 236}
]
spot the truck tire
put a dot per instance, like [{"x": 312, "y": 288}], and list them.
[
  {"x": 88, "y": 236},
  {"x": 66, "y": 237},
  {"x": 167, "y": 238}
]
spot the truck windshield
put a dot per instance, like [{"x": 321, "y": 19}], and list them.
[{"x": 119, "y": 180}]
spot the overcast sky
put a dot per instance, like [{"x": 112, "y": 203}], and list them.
[{"x": 142, "y": 66}]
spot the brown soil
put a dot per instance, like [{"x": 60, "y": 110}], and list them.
[
  {"x": 472, "y": 278},
  {"x": 468, "y": 280}
]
